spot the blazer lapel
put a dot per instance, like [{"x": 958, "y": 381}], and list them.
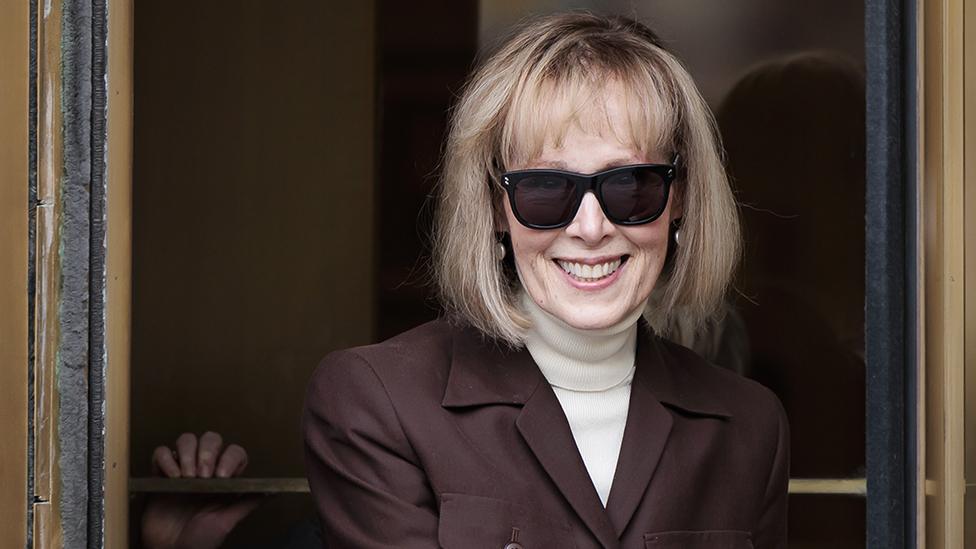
[
  {"x": 545, "y": 429},
  {"x": 662, "y": 381},
  {"x": 645, "y": 435},
  {"x": 483, "y": 373}
]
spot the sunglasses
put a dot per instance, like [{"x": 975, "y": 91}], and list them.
[{"x": 628, "y": 195}]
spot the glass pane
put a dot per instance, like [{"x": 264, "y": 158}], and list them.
[
  {"x": 281, "y": 197},
  {"x": 281, "y": 521},
  {"x": 253, "y": 220},
  {"x": 818, "y": 521},
  {"x": 794, "y": 132}
]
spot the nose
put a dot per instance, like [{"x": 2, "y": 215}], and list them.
[{"x": 590, "y": 224}]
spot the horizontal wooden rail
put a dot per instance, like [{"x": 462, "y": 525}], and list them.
[
  {"x": 825, "y": 486},
  {"x": 829, "y": 486},
  {"x": 239, "y": 485}
]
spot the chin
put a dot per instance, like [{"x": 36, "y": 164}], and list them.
[{"x": 587, "y": 318}]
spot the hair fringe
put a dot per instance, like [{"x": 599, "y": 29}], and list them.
[{"x": 473, "y": 286}]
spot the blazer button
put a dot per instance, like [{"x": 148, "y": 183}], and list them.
[{"x": 513, "y": 542}]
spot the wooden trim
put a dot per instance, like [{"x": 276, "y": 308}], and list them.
[
  {"x": 240, "y": 485},
  {"x": 14, "y": 174},
  {"x": 944, "y": 256},
  {"x": 968, "y": 158},
  {"x": 47, "y": 524},
  {"x": 921, "y": 484},
  {"x": 954, "y": 282},
  {"x": 118, "y": 272},
  {"x": 832, "y": 486},
  {"x": 824, "y": 486}
]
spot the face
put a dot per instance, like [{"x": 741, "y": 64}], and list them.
[{"x": 562, "y": 269}]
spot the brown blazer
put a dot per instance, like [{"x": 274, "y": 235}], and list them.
[{"x": 437, "y": 438}]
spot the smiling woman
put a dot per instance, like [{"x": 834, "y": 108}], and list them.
[
  {"x": 611, "y": 100},
  {"x": 551, "y": 407},
  {"x": 556, "y": 267}
]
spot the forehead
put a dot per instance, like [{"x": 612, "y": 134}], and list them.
[
  {"x": 585, "y": 149},
  {"x": 619, "y": 118}
]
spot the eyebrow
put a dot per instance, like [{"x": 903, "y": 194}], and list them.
[{"x": 615, "y": 163}]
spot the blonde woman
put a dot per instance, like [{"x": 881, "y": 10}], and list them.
[{"x": 584, "y": 216}]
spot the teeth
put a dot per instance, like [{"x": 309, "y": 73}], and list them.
[{"x": 589, "y": 273}]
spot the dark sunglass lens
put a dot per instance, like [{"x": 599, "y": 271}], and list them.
[
  {"x": 545, "y": 199},
  {"x": 635, "y": 195}
]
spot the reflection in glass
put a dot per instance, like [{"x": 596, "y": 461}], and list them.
[{"x": 794, "y": 132}]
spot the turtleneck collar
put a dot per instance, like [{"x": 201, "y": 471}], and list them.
[{"x": 581, "y": 360}]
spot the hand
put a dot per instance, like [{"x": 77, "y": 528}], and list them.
[{"x": 195, "y": 521}]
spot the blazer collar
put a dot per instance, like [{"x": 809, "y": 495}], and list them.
[
  {"x": 663, "y": 379},
  {"x": 670, "y": 373},
  {"x": 486, "y": 372}
]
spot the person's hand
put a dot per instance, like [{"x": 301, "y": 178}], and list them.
[{"x": 195, "y": 521}]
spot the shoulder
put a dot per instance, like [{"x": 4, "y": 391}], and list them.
[
  {"x": 745, "y": 400},
  {"x": 755, "y": 426},
  {"x": 418, "y": 358}
]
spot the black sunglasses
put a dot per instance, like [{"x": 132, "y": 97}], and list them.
[{"x": 628, "y": 195}]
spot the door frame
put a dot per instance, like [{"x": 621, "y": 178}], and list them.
[
  {"x": 915, "y": 308},
  {"x": 891, "y": 277}
]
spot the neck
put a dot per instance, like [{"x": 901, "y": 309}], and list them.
[{"x": 581, "y": 360}]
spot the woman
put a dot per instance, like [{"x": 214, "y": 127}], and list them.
[{"x": 543, "y": 411}]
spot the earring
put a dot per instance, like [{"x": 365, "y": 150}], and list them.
[
  {"x": 676, "y": 231},
  {"x": 499, "y": 251}
]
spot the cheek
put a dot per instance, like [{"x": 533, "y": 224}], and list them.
[
  {"x": 529, "y": 245},
  {"x": 652, "y": 241}
]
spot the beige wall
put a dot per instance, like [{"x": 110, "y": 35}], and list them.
[
  {"x": 14, "y": 41},
  {"x": 252, "y": 216}
]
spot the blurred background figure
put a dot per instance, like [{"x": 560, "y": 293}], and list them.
[{"x": 794, "y": 135}]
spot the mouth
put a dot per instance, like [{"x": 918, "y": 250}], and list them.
[{"x": 591, "y": 272}]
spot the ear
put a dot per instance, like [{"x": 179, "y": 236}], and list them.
[
  {"x": 677, "y": 201},
  {"x": 498, "y": 210},
  {"x": 678, "y": 186}
]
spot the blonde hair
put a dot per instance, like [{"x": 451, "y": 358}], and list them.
[{"x": 504, "y": 118}]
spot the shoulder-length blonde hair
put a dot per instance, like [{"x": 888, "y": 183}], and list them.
[{"x": 504, "y": 118}]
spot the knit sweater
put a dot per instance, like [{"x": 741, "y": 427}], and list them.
[{"x": 590, "y": 372}]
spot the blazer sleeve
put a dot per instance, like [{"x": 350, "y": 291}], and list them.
[
  {"x": 771, "y": 531},
  {"x": 369, "y": 488}
]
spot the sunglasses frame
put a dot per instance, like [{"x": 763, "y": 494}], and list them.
[{"x": 591, "y": 182}]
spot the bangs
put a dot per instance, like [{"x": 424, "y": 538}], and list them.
[
  {"x": 544, "y": 108},
  {"x": 609, "y": 78}
]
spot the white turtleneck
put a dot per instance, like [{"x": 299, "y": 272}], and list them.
[{"x": 590, "y": 371}]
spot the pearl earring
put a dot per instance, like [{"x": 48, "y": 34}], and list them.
[
  {"x": 500, "y": 251},
  {"x": 677, "y": 237}
]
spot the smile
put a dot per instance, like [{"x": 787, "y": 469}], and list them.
[{"x": 585, "y": 272}]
